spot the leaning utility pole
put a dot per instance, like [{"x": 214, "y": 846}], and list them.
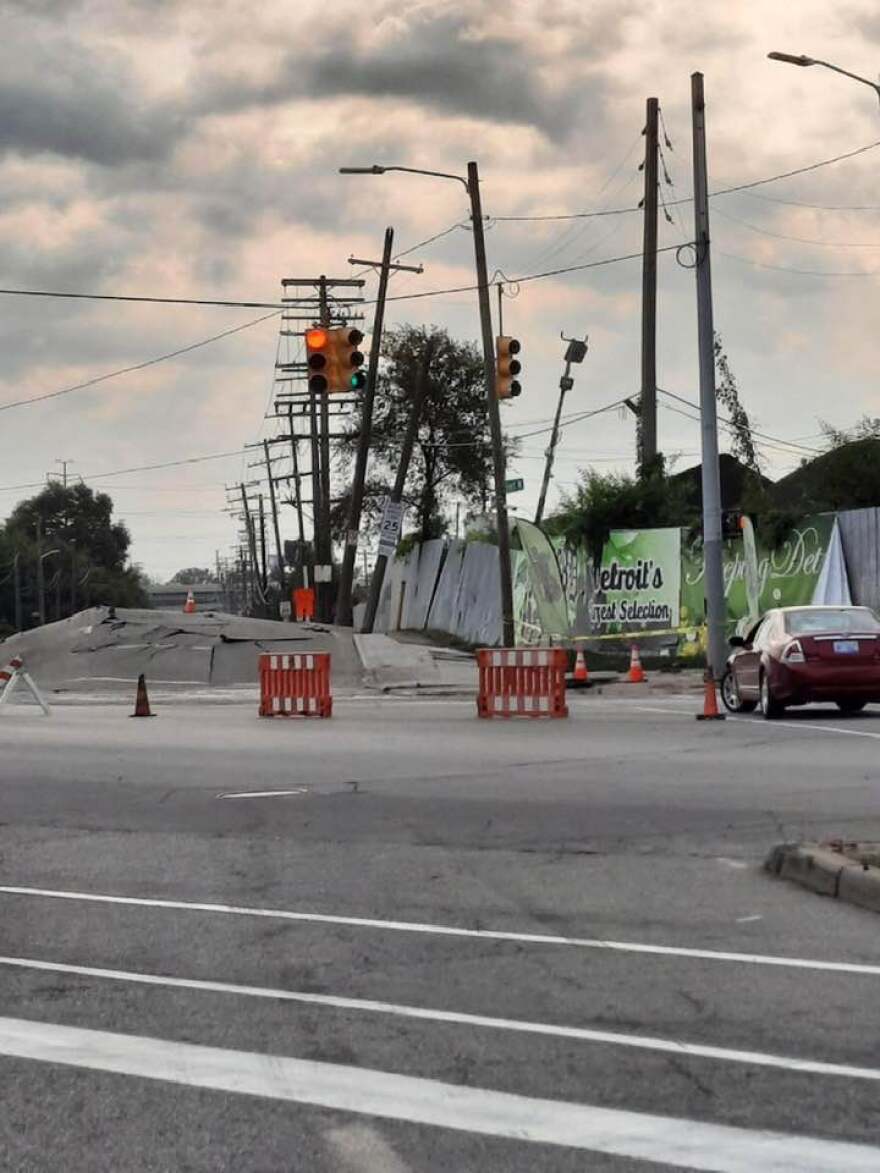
[
  {"x": 507, "y": 629},
  {"x": 575, "y": 353},
  {"x": 409, "y": 439},
  {"x": 346, "y": 576},
  {"x": 713, "y": 573},
  {"x": 648, "y": 413}
]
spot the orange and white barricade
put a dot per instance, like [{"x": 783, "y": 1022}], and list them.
[
  {"x": 14, "y": 674},
  {"x": 522, "y": 682},
  {"x": 295, "y": 685}
]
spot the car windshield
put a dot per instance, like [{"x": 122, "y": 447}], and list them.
[{"x": 848, "y": 620}]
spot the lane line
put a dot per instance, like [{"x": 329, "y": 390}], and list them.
[
  {"x": 266, "y": 793},
  {"x": 460, "y": 1018},
  {"x": 774, "y": 724},
  {"x": 682, "y": 1143},
  {"x": 852, "y": 967}
]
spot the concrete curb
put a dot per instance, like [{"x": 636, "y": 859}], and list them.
[{"x": 827, "y": 871}]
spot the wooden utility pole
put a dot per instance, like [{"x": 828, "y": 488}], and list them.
[
  {"x": 409, "y": 439},
  {"x": 297, "y": 482},
  {"x": 278, "y": 550},
  {"x": 713, "y": 570},
  {"x": 16, "y": 572},
  {"x": 648, "y": 406}
]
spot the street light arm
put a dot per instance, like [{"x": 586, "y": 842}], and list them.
[
  {"x": 802, "y": 60},
  {"x": 377, "y": 169}
]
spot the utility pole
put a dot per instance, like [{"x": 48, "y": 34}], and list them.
[
  {"x": 713, "y": 573},
  {"x": 648, "y": 415},
  {"x": 473, "y": 186},
  {"x": 575, "y": 353},
  {"x": 409, "y": 439},
  {"x": 264, "y": 574},
  {"x": 278, "y": 551},
  {"x": 16, "y": 573},
  {"x": 64, "y": 464},
  {"x": 41, "y": 586},
  {"x": 294, "y": 456},
  {"x": 353, "y": 525}
]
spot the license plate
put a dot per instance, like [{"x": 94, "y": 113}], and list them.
[{"x": 846, "y": 647}]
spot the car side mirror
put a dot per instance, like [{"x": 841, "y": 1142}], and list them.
[{"x": 737, "y": 641}]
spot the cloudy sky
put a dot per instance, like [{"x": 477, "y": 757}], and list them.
[{"x": 178, "y": 148}]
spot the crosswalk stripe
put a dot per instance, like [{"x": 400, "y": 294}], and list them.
[
  {"x": 426, "y": 1014},
  {"x": 771, "y": 959},
  {"x": 683, "y": 1143}
]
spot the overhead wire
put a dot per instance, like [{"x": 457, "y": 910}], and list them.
[{"x": 798, "y": 239}]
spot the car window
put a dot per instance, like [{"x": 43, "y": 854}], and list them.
[{"x": 849, "y": 620}]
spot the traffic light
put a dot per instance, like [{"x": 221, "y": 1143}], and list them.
[
  {"x": 318, "y": 359},
  {"x": 507, "y": 367},
  {"x": 346, "y": 360}
]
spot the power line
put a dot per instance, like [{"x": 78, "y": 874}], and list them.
[
  {"x": 801, "y": 272},
  {"x": 137, "y": 468},
  {"x": 150, "y": 362},
  {"x": 729, "y": 424},
  {"x": 712, "y": 195},
  {"x": 246, "y": 305},
  {"x": 799, "y": 239}
]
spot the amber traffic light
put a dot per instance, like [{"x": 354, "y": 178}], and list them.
[{"x": 318, "y": 359}]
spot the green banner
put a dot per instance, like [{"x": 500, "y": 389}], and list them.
[
  {"x": 541, "y": 573},
  {"x": 637, "y": 584},
  {"x": 786, "y": 576}
]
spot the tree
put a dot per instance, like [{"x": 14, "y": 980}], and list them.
[
  {"x": 605, "y": 502},
  {"x": 193, "y": 575},
  {"x": 84, "y": 552},
  {"x": 742, "y": 444},
  {"x": 452, "y": 457}
]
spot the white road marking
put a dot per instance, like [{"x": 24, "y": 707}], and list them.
[
  {"x": 774, "y": 724},
  {"x": 744, "y": 920},
  {"x": 266, "y": 793},
  {"x": 682, "y": 1143},
  {"x": 396, "y": 926},
  {"x": 426, "y": 1014}
]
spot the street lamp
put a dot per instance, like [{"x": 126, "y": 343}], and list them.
[
  {"x": 791, "y": 59},
  {"x": 472, "y": 187}
]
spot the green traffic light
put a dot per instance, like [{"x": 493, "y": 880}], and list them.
[{"x": 358, "y": 381}]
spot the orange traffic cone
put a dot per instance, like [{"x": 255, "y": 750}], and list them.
[
  {"x": 189, "y": 606},
  {"x": 142, "y": 703},
  {"x": 581, "y": 675},
  {"x": 710, "y": 700},
  {"x": 636, "y": 671}
]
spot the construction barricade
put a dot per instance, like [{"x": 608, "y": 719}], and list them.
[
  {"x": 522, "y": 682},
  {"x": 295, "y": 685}
]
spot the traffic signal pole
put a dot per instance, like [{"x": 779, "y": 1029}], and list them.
[
  {"x": 498, "y": 461},
  {"x": 713, "y": 574}
]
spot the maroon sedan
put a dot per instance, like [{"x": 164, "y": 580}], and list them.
[{"x": 796, "y": 655}]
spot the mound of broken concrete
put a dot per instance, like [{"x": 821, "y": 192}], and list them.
[{"x": 109, "y": 648}]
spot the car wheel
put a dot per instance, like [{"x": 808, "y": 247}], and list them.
[
  {"x": 851, "y": 706},
  {"x": 770, "y": 707},
  {"x": 733, "y": 702}
]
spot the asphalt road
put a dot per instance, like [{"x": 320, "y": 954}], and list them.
[{"x": 450, "y": 945}]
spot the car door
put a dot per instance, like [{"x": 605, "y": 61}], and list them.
[{"x": 747, "y": 663}]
